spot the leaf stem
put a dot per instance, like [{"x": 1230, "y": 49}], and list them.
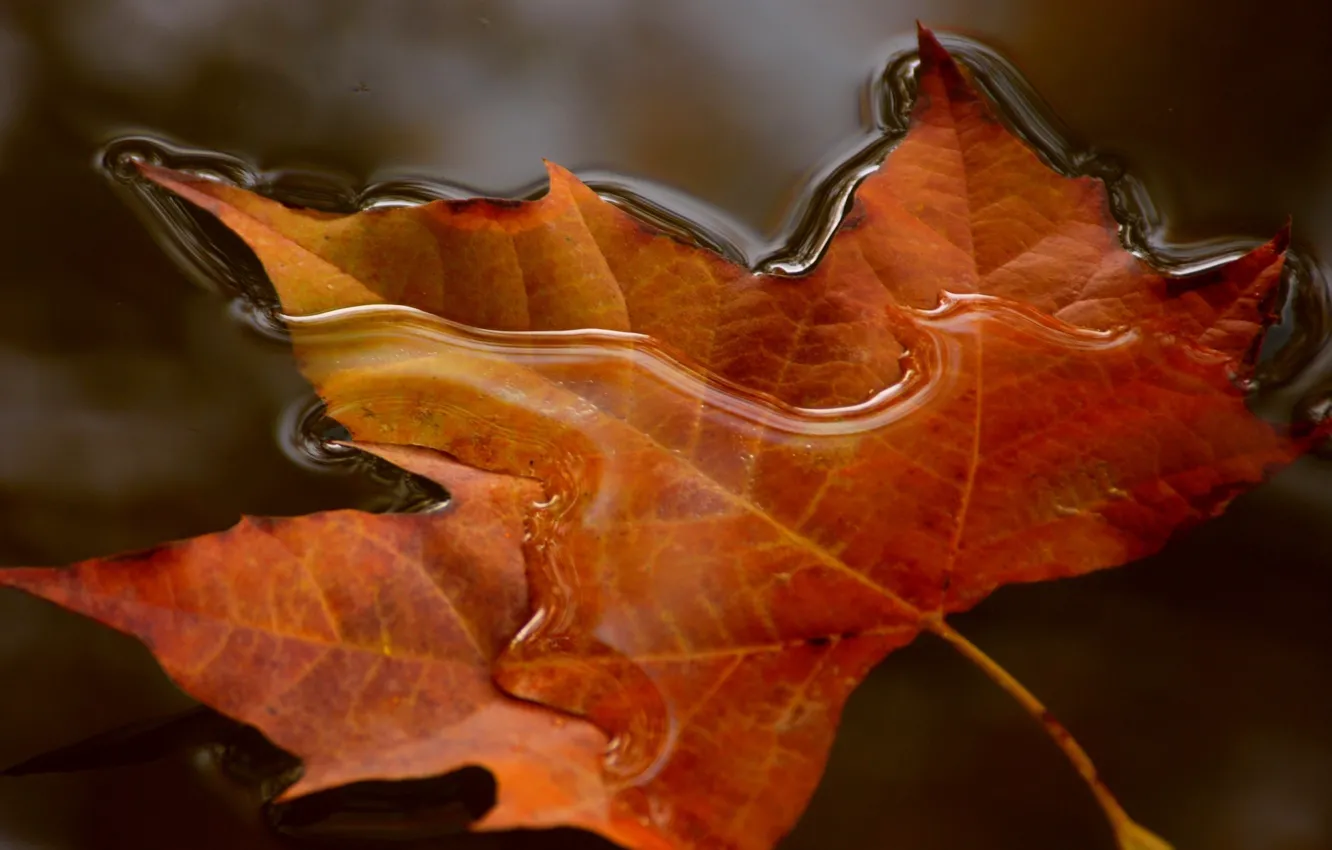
[{"x": 1129, "y": 834}]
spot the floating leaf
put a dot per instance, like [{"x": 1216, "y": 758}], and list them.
[{"x": 754, "y": 486}]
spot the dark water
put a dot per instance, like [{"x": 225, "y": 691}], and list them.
[{"x": 135, "y": 408}]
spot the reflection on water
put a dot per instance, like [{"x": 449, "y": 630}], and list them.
[{"x": 133, "y": 408}]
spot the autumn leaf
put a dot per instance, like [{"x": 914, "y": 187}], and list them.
[{"x": 755, "y": 487}]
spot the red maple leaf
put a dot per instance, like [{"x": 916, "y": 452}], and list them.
[{"x": 754, "y": 486}]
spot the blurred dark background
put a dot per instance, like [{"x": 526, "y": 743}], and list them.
[{"x": 134, "y": 408}]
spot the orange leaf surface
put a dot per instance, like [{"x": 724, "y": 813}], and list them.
[
  {"x": 757, "y": 486},
  {"x": 361, "y": 643}
]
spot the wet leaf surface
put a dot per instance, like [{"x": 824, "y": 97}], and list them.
[{"x": 716, "y": 563}]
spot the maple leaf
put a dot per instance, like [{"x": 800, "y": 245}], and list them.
[{"x": 756, "y": 486}]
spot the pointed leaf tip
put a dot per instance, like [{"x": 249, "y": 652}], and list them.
[
  {"x": 559, "y": 176},
  {"x": 930, "y": 48},
  {"x": 936, "y": 60},
  {"x": 1281, "y": 239}
]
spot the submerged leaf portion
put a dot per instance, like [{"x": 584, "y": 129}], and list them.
[
  {"x": 360, "y": 643},
  {"x": 754, "y": 487}
]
